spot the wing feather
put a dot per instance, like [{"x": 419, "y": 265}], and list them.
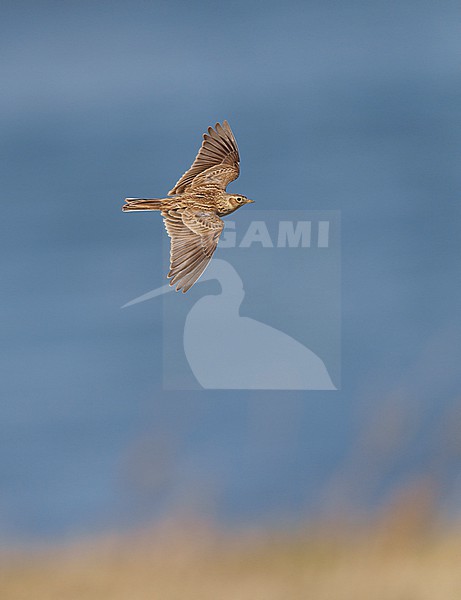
[
  {"x": 217, "y": 161},
  {"x": 194, "y": 236}
]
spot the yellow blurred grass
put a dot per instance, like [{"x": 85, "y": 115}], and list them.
[{"x": 196, "y": 561}]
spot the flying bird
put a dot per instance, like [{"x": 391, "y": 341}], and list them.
[{"x": 193, "y": 208}]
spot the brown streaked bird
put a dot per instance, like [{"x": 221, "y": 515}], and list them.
[{"x": 193, "y": 209}]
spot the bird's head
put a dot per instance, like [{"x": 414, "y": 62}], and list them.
[{"x": 237, "y": 200}]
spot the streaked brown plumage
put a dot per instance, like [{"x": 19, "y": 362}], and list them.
[{"x": 193, "y": 209}]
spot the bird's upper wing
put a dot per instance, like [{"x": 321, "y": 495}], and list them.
[
  {"x": 217, "y": 161},
  {"x": 194, "y": 236}
]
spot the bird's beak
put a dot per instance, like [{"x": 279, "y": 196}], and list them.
[{"x": 249, "y": 201}]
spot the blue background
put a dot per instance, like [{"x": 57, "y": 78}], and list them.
[{"x": 350, "y": 106}]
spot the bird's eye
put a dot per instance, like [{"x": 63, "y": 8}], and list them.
[{"x": 239, "y": 199}]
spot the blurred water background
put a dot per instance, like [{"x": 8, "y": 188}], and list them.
[{"x": 336, "y": 106}]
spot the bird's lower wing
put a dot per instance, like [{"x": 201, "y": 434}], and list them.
[{"x": 194, "y": 236}]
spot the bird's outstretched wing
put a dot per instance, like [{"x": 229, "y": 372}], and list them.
[
  {"x": 194, "y": 236},
  {"x": 216, "y": 163}
]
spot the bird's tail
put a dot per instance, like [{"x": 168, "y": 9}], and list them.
[{"x": 143, "y": 204}]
